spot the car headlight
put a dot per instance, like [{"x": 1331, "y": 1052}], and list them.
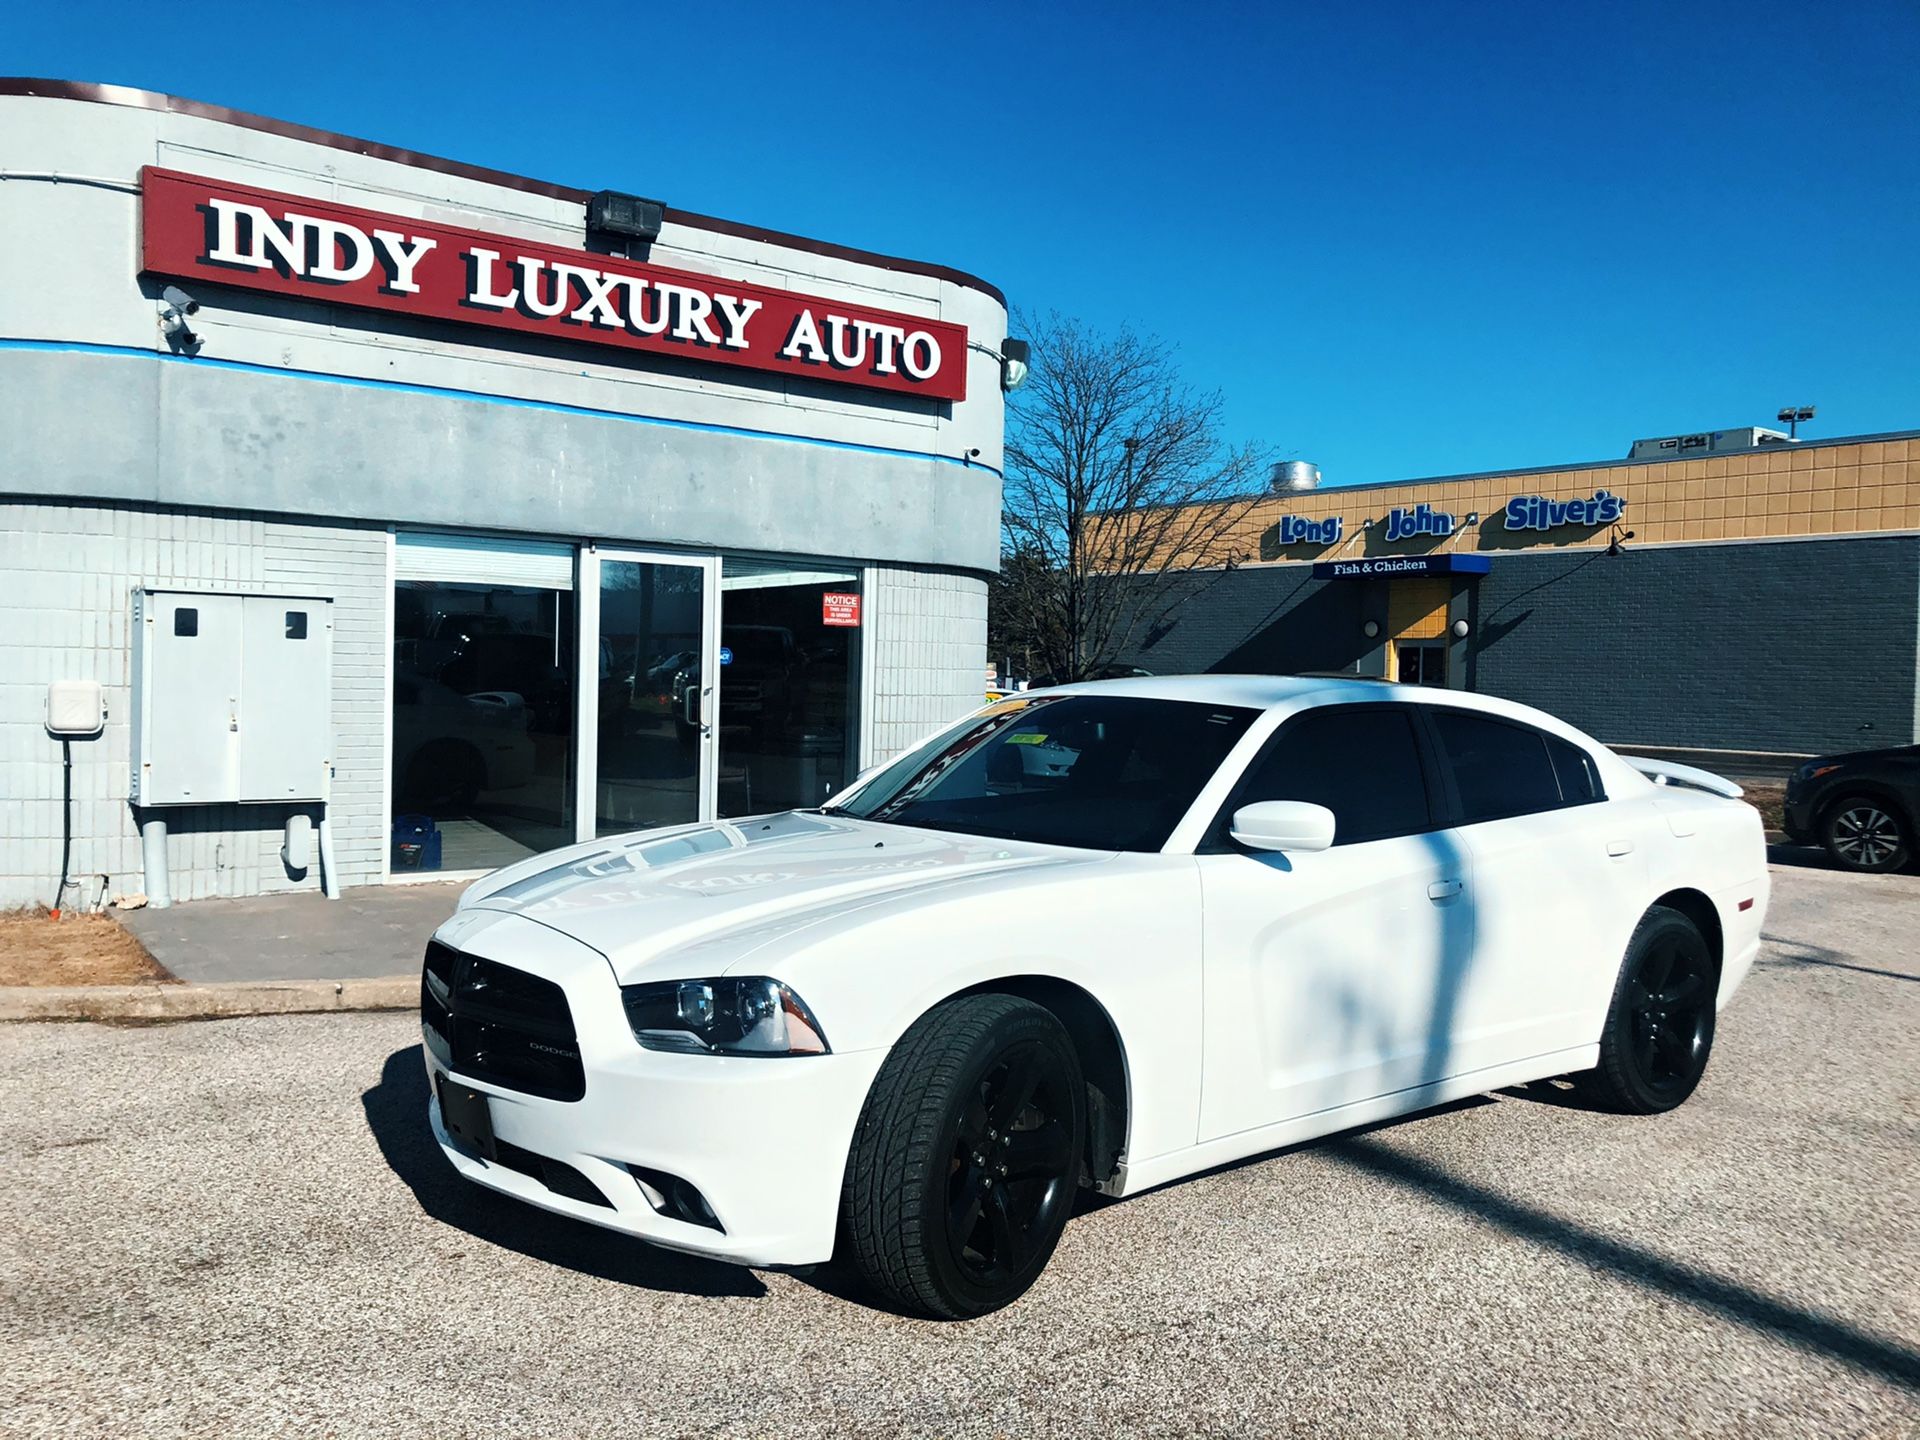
[{"x": 749, "y": 1015}]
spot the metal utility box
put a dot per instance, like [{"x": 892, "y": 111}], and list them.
[{"x": 232, "y": 698}]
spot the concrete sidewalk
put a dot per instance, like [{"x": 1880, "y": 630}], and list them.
[{"x": 371, "y": 931}]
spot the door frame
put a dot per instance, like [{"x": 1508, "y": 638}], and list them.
[{"x": 586, "y": 779}]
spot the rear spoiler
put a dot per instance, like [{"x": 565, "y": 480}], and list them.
[{"x": 1666, "y": 772}]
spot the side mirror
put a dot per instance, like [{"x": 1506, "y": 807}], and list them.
[{"x": 1283, "y": 825}]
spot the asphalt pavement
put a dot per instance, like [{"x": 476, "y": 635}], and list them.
[{"x": 241, "y": 1228}]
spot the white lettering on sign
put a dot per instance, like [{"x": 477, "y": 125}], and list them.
[
  {"x": 416, "y": 266},
  {"x": 308, "y": 247}
]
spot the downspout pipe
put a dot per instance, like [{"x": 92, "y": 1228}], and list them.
[
  {"x": 153, "y": 859},
  {"x": 329, "y": 877}
]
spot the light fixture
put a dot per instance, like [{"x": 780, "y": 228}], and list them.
[
  {"x": 630, "y": 216},
  {"x": 1617, "y": 544},
  {"x": 1016, "y": 357},
  {"x": 1461, "y": 629},
  {"x": 1371, "y": 629},
  {"x": 1791, "y": 416}
]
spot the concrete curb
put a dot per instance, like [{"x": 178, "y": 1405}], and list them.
[{"x": 206, "y": 1002}]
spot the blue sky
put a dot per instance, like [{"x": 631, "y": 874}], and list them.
[{"x": 1403, "y": 239}]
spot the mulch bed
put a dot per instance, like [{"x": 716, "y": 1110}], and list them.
[{"x": 73, "y": 950}]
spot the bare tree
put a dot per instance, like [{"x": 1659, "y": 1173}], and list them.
[{"x": 1122, "y": 501}]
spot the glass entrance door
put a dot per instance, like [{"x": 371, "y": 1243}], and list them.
[
  {"x": 1421, "y": 662},
  {"x": 650, "y": 736}
]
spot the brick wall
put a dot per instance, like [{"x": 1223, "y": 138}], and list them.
[
  {"x": 927, "y": 649},
  {"x": 1797, "y": 646},
  {"x": 67, "y": 573}
]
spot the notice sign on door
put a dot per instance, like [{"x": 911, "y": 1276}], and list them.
[{"x": 840, "y": 609}]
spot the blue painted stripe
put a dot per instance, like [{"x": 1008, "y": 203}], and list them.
[{"x": 450, "y": 393}]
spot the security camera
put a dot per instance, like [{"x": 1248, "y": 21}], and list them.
[{"x": 176, "y": 305}]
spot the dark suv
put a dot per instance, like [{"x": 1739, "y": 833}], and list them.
[{"x": 1860, "y": 806}]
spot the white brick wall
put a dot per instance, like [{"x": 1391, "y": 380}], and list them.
[
  {"x": 67, "y": 573},
  {"x": 928, "y": 649}
]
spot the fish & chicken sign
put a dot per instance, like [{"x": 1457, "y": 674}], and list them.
[{"x": 214, "y": 231}]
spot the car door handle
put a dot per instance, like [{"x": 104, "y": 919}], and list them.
[
  {"x": 1443, "y": 889},
  {"x": 1618, "y": 848}
]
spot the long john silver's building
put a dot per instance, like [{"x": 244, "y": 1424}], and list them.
[{"x": 370, "y": 516}]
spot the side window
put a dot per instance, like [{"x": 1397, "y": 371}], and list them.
[
  {"x": 1361, "y": 762},
  {"x": 1579, "y": 781},
  {"x": 1498, "y": 768}
]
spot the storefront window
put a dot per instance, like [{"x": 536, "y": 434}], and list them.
[
  {"x": 483, "y": 724},
  {"x": 789, "y": 684}
]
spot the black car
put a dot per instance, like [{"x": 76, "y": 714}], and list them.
[{"x": 1862, "y": 807}]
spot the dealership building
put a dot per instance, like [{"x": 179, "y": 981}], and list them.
[
  {"x": 366, "y": 516},
  {"x": 1733, "y": 591}
]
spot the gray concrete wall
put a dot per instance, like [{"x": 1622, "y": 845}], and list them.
[
  {"x": 65, "y": 613},
  {"x": 102, "y": 425}
]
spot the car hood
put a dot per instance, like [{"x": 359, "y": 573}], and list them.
[{"x": 688, "y": 901}]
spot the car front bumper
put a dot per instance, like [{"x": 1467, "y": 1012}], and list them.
[{"x": 764, "y": 1141}]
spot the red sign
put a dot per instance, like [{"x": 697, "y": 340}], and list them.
[
  {"x": 228, "y": 234},
  {"x": 838, "y": 609}
]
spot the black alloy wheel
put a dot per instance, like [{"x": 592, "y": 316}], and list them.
[
  {"x": 1012, "y": 1166},
  {"x": 967, "y": 1158},
  {"x": 1659, "y": 1029},
  {"x": 1864, "y": 834}
]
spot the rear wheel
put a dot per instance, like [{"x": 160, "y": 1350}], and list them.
[
  {"x": 1659, "y": 1029},
  {"x": 967, "y": 1158},
  {"x": 1865, "y": 834}
]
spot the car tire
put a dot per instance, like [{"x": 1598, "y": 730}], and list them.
[
  {"x": 937, "y": 1215},
  {"x": 1659, "y": 1028},
  {"x": 1865, "y": 834}
]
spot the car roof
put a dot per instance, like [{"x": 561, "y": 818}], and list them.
[{"x": 1267, "y": 692}]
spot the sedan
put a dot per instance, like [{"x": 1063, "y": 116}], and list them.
[
  {"x": 1860, "y": 806},
  {"x": 1237, "y": 913}
]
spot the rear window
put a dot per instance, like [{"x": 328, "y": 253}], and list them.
[
  {"x": 1574, "y": 768},
  {"x": 1499, "y": 769}
]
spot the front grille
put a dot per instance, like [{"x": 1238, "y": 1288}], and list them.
[{"x": 499, "y": 1025}]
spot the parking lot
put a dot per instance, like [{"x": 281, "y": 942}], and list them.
[{"x": 241, "y": 1227}]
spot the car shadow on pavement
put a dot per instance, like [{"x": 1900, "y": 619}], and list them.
[
  {"x": 396, "y": 1111},
  {"x": 1799, "y": 955},
  {"x": 1717, "y": 1295}
]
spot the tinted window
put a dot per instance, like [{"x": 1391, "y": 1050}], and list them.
[
  {"x": 1579, "y": 781},
  {"x": 186, "y": 621},
  {"x": 1499, "y": 769},
  {"x": 1104, "y": 772},
  {"x": 1362, "y": 763},
  {"x": 296, "y": 624}
]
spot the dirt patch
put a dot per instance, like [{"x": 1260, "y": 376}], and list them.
[
  {"x": 1769, "y": 797},
  {"x": 73, "y": 950}
]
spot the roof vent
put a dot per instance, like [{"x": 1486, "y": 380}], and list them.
[{"x": 1290, "y": 477}]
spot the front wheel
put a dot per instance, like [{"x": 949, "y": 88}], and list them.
[
  {"x": 1659, "y": 1029},
  {"x": 1863, "y": 834},
  {"x": 967, "y": 1158}
]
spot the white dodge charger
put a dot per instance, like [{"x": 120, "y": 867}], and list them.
[{"x": 1099, "y": 936}]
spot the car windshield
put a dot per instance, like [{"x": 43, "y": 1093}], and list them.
[{"x": 1101, "y": 772}]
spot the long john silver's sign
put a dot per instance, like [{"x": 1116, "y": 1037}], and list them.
[{"x": 210, "y": 230}]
